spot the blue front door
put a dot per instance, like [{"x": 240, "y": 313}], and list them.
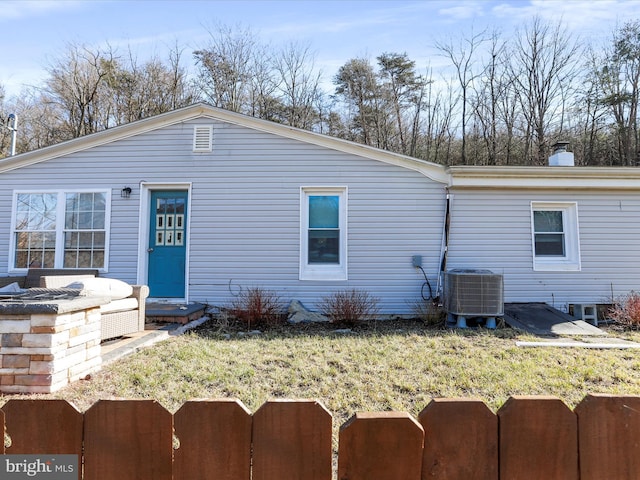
[{"x": 167, "y": 244}]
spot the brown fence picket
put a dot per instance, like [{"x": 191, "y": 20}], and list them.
[
  {"x": 538, "y": 439},
  {"x": 460, "y": 440},
  {"x": 52, "y": 427},
  {"x": 43, "y": 427},
  {"x": 383, "y": 445},
  {"x": 128, "y": 440},
  {"x": 292, "y": 440},
  {"x": 609, "y": 436},
  {"x": 215, "y": 440}
]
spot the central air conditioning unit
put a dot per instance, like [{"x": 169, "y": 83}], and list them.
[{"x": 473, "y": 293}]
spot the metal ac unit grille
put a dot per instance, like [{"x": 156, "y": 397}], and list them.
[{"x": 472, "y": 293}]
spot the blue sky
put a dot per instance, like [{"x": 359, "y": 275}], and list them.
[{"x": 35, "y": 32}]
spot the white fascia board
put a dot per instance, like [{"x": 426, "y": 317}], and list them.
[{"x": 568, "y": 178}]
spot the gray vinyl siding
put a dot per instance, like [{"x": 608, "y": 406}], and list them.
[
  {"x": 245, "y": 211},
  {"x": 491, "y": 229}
]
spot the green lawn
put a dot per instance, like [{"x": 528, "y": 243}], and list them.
[{"x": 383, "y": 366}]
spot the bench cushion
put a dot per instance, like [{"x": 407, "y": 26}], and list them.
[
  {"x": 103, "y": 287},
  {"x": 121, "y": 305}
]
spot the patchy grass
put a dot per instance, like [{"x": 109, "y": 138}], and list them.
[{"x": 381, "y": 366}]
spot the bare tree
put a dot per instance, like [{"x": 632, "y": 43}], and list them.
[
  {"x": 485, "y": 104},
  {"x": 40, "y": 123},
  {"x": 226, "y": 67},
  {"x": 5, "y": 134},
  {"x": 618, "y": 74},
  {"x": 589, "y": 115},
  {"x": 462, "y": 54},
  {"x": 133, "y": 92},
  {"x": 263, "y": 88},
  {"x": 439, "y": 133},
  {"x": 543, "y": 64},
  {"x": 298, "y": 84},
  {"x": 89, "y": 90},
  {"x": 73, "y": 86}
]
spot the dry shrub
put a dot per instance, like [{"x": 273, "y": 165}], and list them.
[
  {"x": 257, "y": 307},
  {"x": 626, "y": 310},
  {"x": 428, "y": 312},
  {"x": 349, "y": 307}
]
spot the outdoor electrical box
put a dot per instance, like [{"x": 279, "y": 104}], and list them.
[{"x": 416, "y": 260}]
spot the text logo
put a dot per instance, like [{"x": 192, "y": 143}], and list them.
[{"x": 49, "y": 467}]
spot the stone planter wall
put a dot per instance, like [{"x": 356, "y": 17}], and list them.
[{"x": 41, "y": 352}]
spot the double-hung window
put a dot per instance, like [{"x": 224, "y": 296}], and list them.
[
  {"x": 556, "y": 243},
  {"x": 60, "y": 230},
  {"x": 323, "y": 233}
]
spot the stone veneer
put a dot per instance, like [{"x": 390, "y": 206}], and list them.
[{"x": 46, "y": 345}]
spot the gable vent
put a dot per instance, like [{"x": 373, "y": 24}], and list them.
[{"x": 202, "y": 138}]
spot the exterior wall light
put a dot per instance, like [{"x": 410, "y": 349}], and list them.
[{"x": 125, "y": 192}]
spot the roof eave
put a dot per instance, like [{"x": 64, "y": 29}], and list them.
[{"x": 544, "y": 177}]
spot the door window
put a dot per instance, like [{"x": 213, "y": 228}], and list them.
[{"x": 170, "y": 222}]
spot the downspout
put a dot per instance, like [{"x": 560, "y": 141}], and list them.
[{"x": 444, "y": 250}]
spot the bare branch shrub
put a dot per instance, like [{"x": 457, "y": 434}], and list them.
[
  {"x": 257, "y": 307},
  {"x": 428, "y": 312},
  {"x": 626, "y": 310},
  {"x": 349, "y": 307}
]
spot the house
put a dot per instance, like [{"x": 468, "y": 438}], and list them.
[
  {"x": 200, "y": 203},
  {"x": 559, "y": 234}
]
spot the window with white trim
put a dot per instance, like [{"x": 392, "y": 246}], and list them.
[
  {"x": 556, "y": 244},
  {"x": 60, "y": 230},
  {"x": 323, "y": 233}
]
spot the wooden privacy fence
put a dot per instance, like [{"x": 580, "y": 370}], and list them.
[{"x": 528, "y": 438}]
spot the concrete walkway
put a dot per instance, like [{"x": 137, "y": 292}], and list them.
[
  {"x": 606, "y": 343},
  {"x": 113, "y": 350},
  {"x": 542, "y": 319},
  {"x": 558, "y": 329}
]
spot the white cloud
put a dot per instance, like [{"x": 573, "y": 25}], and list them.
[
  {"x": 26, "y": 77},
  {"x": 579, "y": 16},
  {"x": 463, "y": 10},
  {"x": 13, "y": 9}
]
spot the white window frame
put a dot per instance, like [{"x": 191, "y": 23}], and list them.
[
  {"x": 323, "y": 272},
  {"x": 60, "y": 225},
  {"x": 570, "y": 261}
]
